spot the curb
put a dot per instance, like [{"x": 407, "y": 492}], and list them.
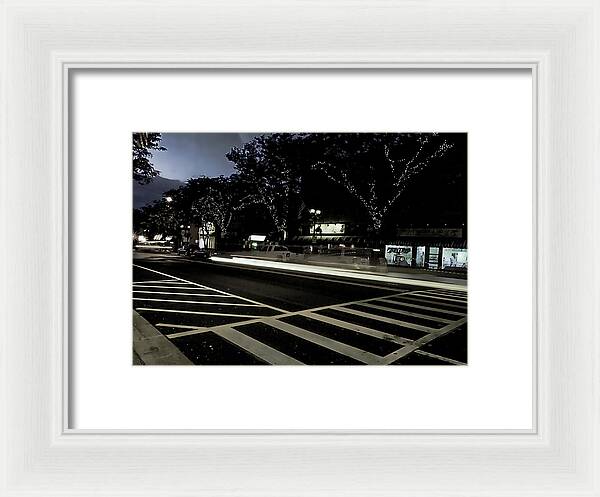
[{"x": 152, "y": 348}]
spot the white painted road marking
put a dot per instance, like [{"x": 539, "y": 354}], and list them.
[
  {"x": 194, "y": 294},
  {"x": 439, "y": 357},
  {"x": 406, "y": 313},
  {"x": 305, "y": 312},
  {"x": 417, "y": 306},
  {"x": 197, "y": 302},
  {"x": 177, "y": 311},
  {"x": 385, "y": 319},
  {"x": 339, "y": 347},
  {"x": 257, "y": 348},
  {"x": 426, "y": 299},
  {"x": 173, "y": 287},
  {"x": 214, "y": 289},
  {"x": 355, "y": 327},
  {"x": 407, "y": 349},
  {"x": 271, "y": 355},
  {"x": 437, "y": 297},
  {"x": 183, "y": 326}
]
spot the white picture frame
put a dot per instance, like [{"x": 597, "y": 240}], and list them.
[{"x": 557, "y": 40}]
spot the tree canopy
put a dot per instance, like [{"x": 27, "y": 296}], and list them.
[
  {"x": 276, "y": 174},
  {"x": 143, "y": 144},
  {"x": 271, "y": 166},
  {"x": 376, "y": 168}
]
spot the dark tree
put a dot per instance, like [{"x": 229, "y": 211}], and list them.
[
  {"x": 376, "y": 168},
  {"x": 143, "y": 144},
  {"x": 208, "y": 201},
  {"x": 156, "y": 219},
  {"x": 223, "y": 198},
  {"x": 271, "y": 166}
]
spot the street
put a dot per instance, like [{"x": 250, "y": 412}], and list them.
[{"x": 224, "y": 314}]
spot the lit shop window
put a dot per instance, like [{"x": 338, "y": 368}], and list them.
[
  {"x": 398, "y": 255},
  {"x": 454, "y": 257},
  {"x": 329, "y": 228},
  {"x": 420, "y": 257},
  {"x": 434, "y": 253}
]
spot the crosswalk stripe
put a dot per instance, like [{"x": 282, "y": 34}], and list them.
[
  {"x": 257, "y": 348},
  {"x": 385, "y": 319},
  {"x": 406, "y": 313},
  {"x": 417, "y": 306},
  {"x": 448, "y": 297},
  {"x": 209, "y": 288},
  {"x": 197, "y": 302},
  {"x": 328, "y": 343},
  {"x": 444, "y": 290},
  {"x": 439, "y": 357},
  {"x": 195, "y": 330},
  {"x": 450, "y": 294},
  {"x": 307, "y": 313},
  {"x": 407, "y": 349},
  {"x": 419, "y": 298},
  {"x": 168, "y": 325},
  {"x": 355, "y": 327},
  {"x": 194, "y": 294},
  {"x": 437, "y": 297},
  {"x": 172, "y": 287},
  {"x": 175, "y": 311}
]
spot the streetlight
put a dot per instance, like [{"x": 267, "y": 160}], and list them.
[
  {"x": 315, "y": 213},
  {"x": 168, "y": 200}
]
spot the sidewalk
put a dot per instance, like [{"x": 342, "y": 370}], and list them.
[
  {"x": 424, "y": 280},
  {"x": 416, "y": 272},
  {"x": 152, "y": 348}
]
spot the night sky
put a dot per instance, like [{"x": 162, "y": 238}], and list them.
[{"x": 197, "y": 154}]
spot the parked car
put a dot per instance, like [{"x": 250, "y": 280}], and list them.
[
  {"x": 278, "y": 251},
  {"x": 200, "y": 253},
  {"x": 194, "y": 252}
]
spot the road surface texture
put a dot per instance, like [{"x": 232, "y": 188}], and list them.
[{"x": 223, "y": 314}]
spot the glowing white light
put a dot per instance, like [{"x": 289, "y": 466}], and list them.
[{"x": 349, "y": 273}]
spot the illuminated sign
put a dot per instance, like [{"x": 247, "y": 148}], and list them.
[
  {"x": 330, "y": 228},
  {"x": 431, "y": 232}
]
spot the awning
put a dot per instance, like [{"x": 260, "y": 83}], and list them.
[{"x": 431, "y": 242}]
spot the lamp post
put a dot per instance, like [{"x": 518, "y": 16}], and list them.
[
  {"x": 314, "y": 213},
  {"x": 170, "y": 221}
]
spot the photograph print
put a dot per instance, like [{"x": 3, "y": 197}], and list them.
[{"x": 300, "y": 249}]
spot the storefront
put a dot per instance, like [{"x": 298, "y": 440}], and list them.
[
  {"x": 454, "y": 258},
  {"x": 428, "y": 254},
  {"x": 405, "y": 255},
  {"x": 254, "y": 241}
]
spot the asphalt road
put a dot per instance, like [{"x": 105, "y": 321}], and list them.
[{"x": 221, "y": 314}]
